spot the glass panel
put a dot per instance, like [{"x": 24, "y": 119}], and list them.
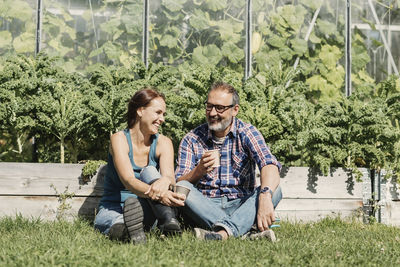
[
  {"x": 17, "y": 26},
  {"x": 377, "y": 56},
  {"x": 279, "y": 42},
  {"x": 199, "y": 31},
  {"x": 91, "y": 31}
]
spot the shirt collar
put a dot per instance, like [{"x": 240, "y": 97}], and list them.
[{"x": 231, "y": 131}]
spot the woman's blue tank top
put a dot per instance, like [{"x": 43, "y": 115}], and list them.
[{"x": 114, "y": 190}]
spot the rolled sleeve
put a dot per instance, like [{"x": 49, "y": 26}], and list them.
[
  {"x": 259, "y": 149},
  {"x": 186, "y": 158}
]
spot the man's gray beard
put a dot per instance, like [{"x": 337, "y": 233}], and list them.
[{"x": 220, "y": 126}]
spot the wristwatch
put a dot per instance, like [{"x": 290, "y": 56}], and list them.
[{"x": 266, "y": 190}]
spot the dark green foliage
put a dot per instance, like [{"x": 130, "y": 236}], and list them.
[{"x": 40, "y": 99}]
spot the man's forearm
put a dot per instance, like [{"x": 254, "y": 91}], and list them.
[
  {"x": 270, "y": 177},
  {"x": 193, "y": 176}
]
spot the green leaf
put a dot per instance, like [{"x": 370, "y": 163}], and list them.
[
  {"x": 326, "y": 27},
  {"x": 265, "y": 61},
  {"x": 111, "y": 26},
  {"x": 316, "y": 82},
  {"x": 232, "y": 52},
  {"x": 299, "y": 46},
  {"x": 330, "y": 56},
  {"x": 209, "y": 54},
  {"x": 286, "y": 53},
  {"x": 112, "y": 50},
  {"x": 24, "y": 43},
  {"x": 169, "y": 41},
  {"x": 216, "y": 5},
  {"x": 294, "y": 16},
  {"x": 173, "y": 5},
  {"x": 16, "y": 10},
  {"x": 314, "y": 39},
  {"x": 313, "y": 4},
  {"x": 5, "y": 38},
  {"x": 336, "y": 76},
  {"x": 200, "y": 20},
  {"x": 228, "y": 29},
  {"x": 276, "y": 41}
]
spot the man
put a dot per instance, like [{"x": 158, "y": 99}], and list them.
[{"x": 224, "y": 199}]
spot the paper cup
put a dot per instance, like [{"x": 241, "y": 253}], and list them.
[
  {"x": 181, "y": 190},
  {"x": 216, "y": 156}
]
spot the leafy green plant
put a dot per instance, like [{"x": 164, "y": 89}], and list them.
[
  {"x": 90, "y": 169},
  {"x": 18, "y": 83},
  {"x": 60, "y": 110}
]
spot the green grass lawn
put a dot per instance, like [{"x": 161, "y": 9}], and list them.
[{"x": 331, "y": 242}]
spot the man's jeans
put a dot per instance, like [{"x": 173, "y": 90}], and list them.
[{"x": 235, "y": 216}]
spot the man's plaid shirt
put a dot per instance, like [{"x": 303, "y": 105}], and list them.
[{"x": 243, "y": 147}]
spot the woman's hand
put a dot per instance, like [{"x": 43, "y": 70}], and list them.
[
  {"x": 173, "y": 199},
  {"x": 157, "y": 189}
]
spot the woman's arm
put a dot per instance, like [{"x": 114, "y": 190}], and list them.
[
  {"x": 122, "y": 163},
  {"x": 165, "y": 154}
]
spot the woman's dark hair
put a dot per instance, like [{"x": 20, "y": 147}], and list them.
[{"x": 141, "y": 99}]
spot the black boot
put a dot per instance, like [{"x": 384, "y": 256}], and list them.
[
  {"x": 133, "y": 219},
  {"x": 167, "y": 222}
]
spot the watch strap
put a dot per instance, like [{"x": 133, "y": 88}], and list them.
[{"x": 265, "y": 190}]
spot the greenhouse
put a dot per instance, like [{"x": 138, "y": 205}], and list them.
[
  {"x": 312, "y": 50},
  {"x": 305, "y": 97}
]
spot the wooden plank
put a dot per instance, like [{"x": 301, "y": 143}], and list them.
[
  {"x": 26, "y": 188},
  {"x": 310, "y": 210},
  {"x": 313, "y": 216},
  {"x": 392, "y": 213},
  {"x": 301, "y": 182},
  {"x": 319, "y": 204},
  {"x": 42, "y": 178},
  {"x": 48, "y": 208}
]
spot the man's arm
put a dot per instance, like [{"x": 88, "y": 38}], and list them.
[
  {"x": 270, "y": 168},
  {"x": 204, "y": 167},
  {"x": 186, "y": 164},
  {"x": 265, "y": 213}
]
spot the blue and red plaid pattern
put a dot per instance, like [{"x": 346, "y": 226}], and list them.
[{"x": 243, "y": 148}]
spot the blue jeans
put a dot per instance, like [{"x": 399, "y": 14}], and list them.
[
  {"x": 112, "y": 213},
  {"x": 236, "y": 216}
]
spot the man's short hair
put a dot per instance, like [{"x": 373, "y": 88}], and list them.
[{"x": 226, "y": 87}]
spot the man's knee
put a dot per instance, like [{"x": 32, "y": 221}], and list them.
[
  {"x": 185, "y": 183},
  {"x": 193, "y": 197}
]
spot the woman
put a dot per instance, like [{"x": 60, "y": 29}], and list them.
[{"x": 128, "y": 205}]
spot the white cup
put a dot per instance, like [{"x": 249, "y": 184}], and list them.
[
  {"x": 216, "y": 156},
  {"x": 181, "y": 190}
]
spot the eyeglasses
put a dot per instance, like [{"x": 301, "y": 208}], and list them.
[{"x": 218, "y": 108}]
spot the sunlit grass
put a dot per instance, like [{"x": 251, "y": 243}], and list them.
[{"x": 330, "y": 242}]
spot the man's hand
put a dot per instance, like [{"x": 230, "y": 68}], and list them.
[
  {"x": 265, "y": 213},
  {"x": 205, "y": 165}
]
